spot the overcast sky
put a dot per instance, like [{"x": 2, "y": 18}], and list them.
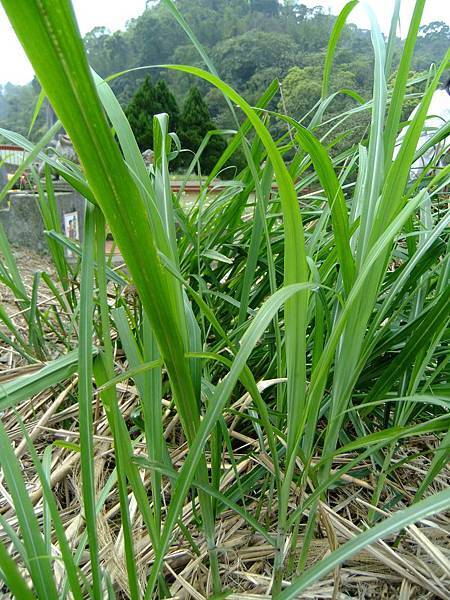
[{"x": 113, "y": 14}]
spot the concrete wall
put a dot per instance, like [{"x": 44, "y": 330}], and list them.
[
  {"x": 3, "y": 176},
  {"x": 21, "y": 218}
]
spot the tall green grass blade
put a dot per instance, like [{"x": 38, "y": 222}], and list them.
[
  {"x": 263, "y": 189},
  {"x": 334, "y": 38},
  {"x": 37, "y": 109},
  {"x": 48, "y": 207},
  {"x": 43, "y": 471},
  {"x": 220, "y": 397},
  {"x": 13, "y": 579},
  {"x": 398, "y": 173},
  {"x": 39, "y": 563},
  {"x": 24, "y": 387},
  {"x": 85, "y": 397},
  {"x": 392, "y": 38},
  {"x": 35, "y": 332},
  {"x": 375, "y": 154},
  {"x": 11, "y": 265},
  {"x": 35, "y": 151},
  {"x": 110, "y": 404},
  {"x": 330, "y": 183},
  {"x": 46, "y": 516},
  {"x": 398, "y": 94}
]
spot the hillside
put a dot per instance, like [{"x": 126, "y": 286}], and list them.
[{"x": 251, "y": 43}]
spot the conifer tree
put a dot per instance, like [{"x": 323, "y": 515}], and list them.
[
  {"x": 195, "y": 124},
  {"x": 150, "y": 100},
  {"x": 166, "y": 102},
  {"x": 139, "y": 114}
]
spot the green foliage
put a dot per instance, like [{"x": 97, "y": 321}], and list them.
[
  {"x": 195, "y": 123},
  {"x": 415, "y": 91},
  {"x": 432, "y": 43},
  {"x": 192, "y": 125},
  {"x": 301, "y": 91},
  {"x": 251, "y": 43},
  {"x": 250, "y": 55},
  {"x": 268, "y": 7},
  {"x": 148, "y": 101},
  {"x": 17, "y": 104}
]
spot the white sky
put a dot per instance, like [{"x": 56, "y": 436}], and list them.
[{"x": 113, "y": 14}]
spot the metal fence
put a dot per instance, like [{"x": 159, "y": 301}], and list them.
[{"x": 12, "y": 155}]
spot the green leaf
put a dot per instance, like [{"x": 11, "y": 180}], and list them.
[
  {"x": 26, "y": 386},
  {"x": 13, "y": 579},
  {"x": 85, "y": 398},
  {"x": 39, "y": 563},
  {"x": 332, "y": 43},
  {"x": 218, "y": 401}
]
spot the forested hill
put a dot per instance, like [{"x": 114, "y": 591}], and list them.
[{"x": 251, "y": 43}]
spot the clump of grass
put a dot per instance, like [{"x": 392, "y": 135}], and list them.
[{"x": 286, "y": 342}]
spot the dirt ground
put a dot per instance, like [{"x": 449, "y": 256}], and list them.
[{"x": 28, "y": 263}]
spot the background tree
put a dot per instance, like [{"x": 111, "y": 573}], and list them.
[
  {"x": 17, "y": 104},
  {"x": 195, "y": 124},
  {"x": 432, "y": 44},
  {"x": 301, "y": 90},
  {"x": 140, "y": 112},
  {"x": 111, "y": 53},
  {"x": 166, "y": 102},
  {"x": 148, "y": 101},
  {"x": 268, "y": 7},
  {"x": 247, "y": 55},
  {"x": 251, "y": 43}
]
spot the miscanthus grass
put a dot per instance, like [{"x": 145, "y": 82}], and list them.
[{"x": 279, "y": 343}]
